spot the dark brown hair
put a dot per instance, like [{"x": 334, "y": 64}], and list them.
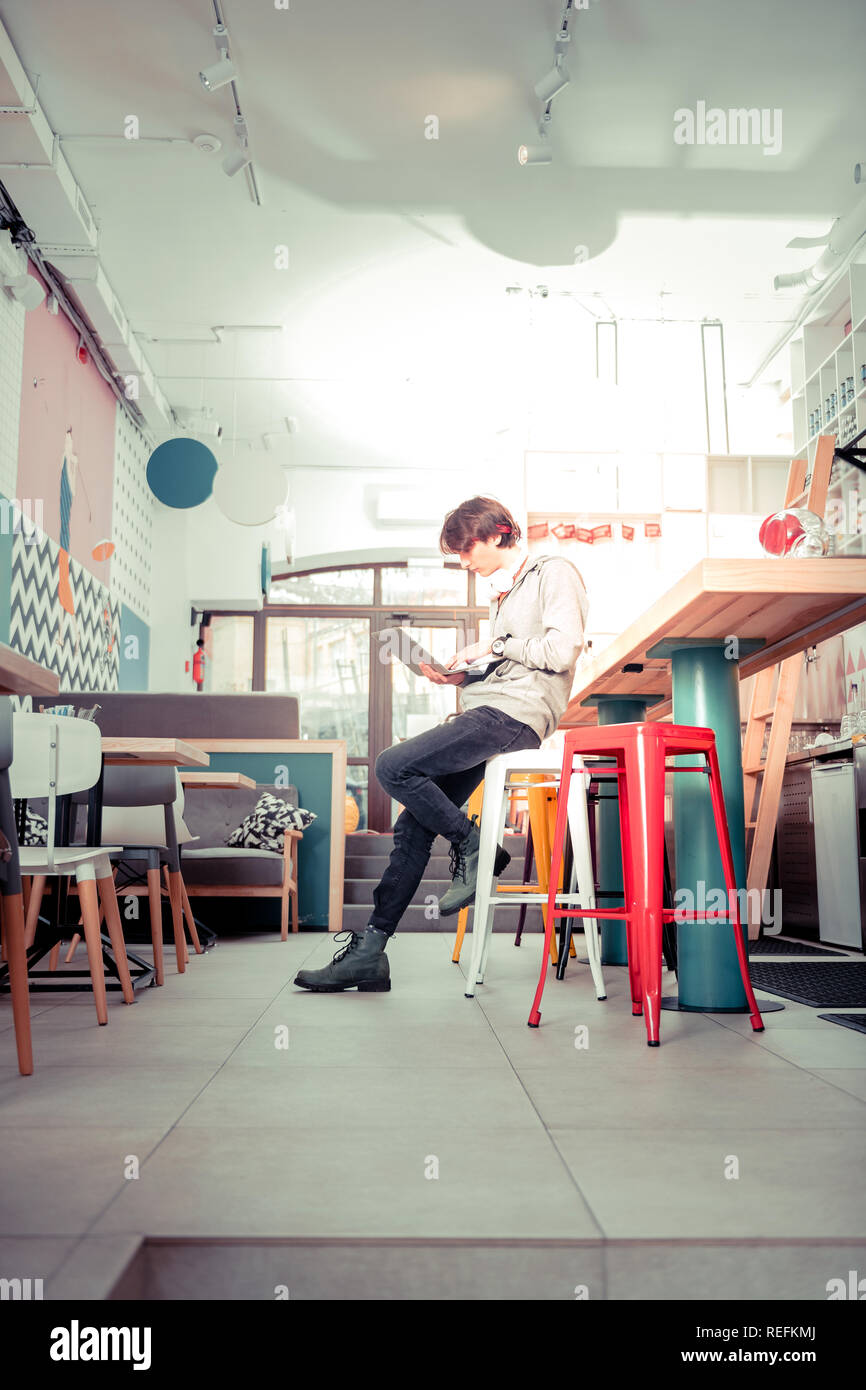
[{"x": 479, "y": 519}]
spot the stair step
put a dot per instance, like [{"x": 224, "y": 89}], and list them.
[
  {"x": 415, "y": 919},
  {"x": 363, "y": 842},
  {"x": 374, "y": 865},
  {"x": 360, "y": 890},
  {"x": 373, "y": 868}
]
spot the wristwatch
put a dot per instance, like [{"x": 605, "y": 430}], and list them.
[{"x": 497, "y": 646}]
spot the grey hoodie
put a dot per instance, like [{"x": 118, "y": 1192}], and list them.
[{"x": 544, "y": 613}]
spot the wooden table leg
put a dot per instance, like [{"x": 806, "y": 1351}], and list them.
[{"x": 16, "y": 955}]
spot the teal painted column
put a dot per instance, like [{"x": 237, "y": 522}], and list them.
[
  {"x": 613, "y": 709},
  {"x": 706, "y": 693}
]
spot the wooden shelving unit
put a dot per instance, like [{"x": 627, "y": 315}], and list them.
[{"x": 826, "y": 362}]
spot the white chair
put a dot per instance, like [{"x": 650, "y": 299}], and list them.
[
  {"x": 53, "y": 756},
  {"x": 547, "y": 758},
  {"x": 11, "y": 902}
]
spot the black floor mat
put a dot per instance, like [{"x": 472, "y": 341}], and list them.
[
  {"x": 829, "y": 986},
  {"x": 777, "y": 946},
  {"x": 855, "y": 1021}
]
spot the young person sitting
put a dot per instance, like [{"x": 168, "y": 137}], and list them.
[{"x": 537, "y": 627}]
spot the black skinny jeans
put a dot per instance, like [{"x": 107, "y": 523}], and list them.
[{"x": 432, "y": 776}]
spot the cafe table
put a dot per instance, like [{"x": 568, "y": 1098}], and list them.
[
  {"x": 724, "y": 620},
  {"x": 218, "y": 780},
  {"x": 20, "y": 675}
]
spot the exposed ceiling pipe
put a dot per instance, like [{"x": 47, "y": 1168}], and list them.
[
  {"x": 839, "y": 241},
  {"x": 829, "y": 268}
]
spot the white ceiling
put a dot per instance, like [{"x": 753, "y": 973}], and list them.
[{"x": 397, "y": 336}]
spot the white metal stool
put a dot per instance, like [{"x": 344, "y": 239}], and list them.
[{"x": 547, "y": 758}]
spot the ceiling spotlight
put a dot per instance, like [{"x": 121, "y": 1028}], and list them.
[
  {"x": 208, "y": 144},
  {"x": 233, "y": 163},
  {"x": 218, "y": 75},
  {"x": 552, "y": 84},
  {"x": 25, "y": 288},
  {"x": 535, "y": 154}
]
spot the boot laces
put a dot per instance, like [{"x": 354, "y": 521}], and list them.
[
  {"x": 457, "y": 861},
  {"x": 351, "y": 944}
]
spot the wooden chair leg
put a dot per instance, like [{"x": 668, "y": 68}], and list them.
[
  {"x": 284, "y": 912},
  {"x": 73, "y": 947},
  {"x": 190, "y": 920},
  {"x": 16, "y": 955},
  {"x": 108, "y": 899},
  {"x": 174, "y": 897},
  {"x": 76, "y": 936},
  {"x": 34, "y": 906},
  {"x": 155, "y": 901},
  {"x": 89, "y": 900}
]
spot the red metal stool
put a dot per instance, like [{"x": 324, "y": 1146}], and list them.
[{"x": 641, "y": 751}]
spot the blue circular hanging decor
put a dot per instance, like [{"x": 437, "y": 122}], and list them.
[{"x": 180, "y": 472}]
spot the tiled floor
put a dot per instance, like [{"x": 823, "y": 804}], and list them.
[{"x": 421, "y": 1144}]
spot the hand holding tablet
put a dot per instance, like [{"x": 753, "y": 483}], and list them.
[{"x": 397, "y": 641}]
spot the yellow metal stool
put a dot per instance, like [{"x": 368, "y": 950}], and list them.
[{"x": 542, "y": 819}]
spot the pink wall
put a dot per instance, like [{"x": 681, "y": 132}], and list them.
[{"x": 59, "y": 393}]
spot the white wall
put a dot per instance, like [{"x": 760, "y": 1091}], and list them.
[
  {"x": 172, "y": 640},
  {"x": 335, "y": 511},
  {"x": 224, "y": 559}
]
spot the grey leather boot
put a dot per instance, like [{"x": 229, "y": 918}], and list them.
[
  {"x": 464, "y": 871},
  {"x": 361, "y": 963}
]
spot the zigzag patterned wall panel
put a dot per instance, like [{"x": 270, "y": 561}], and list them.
[
  {"x": 82, "y": 647},
  {"x": 132, "y": 520}
]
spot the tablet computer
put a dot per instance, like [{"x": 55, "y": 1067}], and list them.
[{"x": 398, "y": 642}]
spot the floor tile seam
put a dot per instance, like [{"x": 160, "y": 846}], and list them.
[
  {"x": 498, "y": 1242},
  {"x": 756, "y": 1042},
  {"x": 503, "y": 1129},
  {"x": 116, "y": 1195},
  {"x": 71, "y": 1127},
  {"x": 175, "y": 1122},
  {"x": 55, "y": 1269},
  {"x": 571, "y": 1177},
  {"x": 88, "y": 1236},
  {"x": 812, "y": 1069}
]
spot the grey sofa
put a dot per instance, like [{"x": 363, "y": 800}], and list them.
[
  {"x": 212, "y": 816},
  {"x": 155, "y": 714}
]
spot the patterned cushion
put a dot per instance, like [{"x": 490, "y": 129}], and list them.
[
  {"x": 35, "y": 829},
  {"x": 264, "y": 827}
]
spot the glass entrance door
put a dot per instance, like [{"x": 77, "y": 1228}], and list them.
[{"x": 418, "y": 704}]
